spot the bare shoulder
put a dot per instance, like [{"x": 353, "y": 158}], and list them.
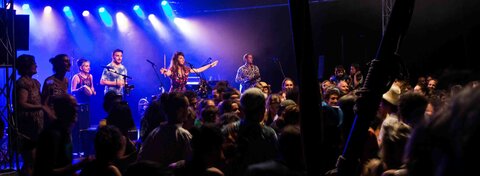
[{"x": 213, "y": 171}]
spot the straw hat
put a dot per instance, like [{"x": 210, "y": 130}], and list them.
[{"x": 392, "y": 95}]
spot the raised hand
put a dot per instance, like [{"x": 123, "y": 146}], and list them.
[
  {"x": 214, "y": 63},
  {"x": 163, "y": 70}
]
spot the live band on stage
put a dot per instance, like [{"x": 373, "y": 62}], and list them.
[{"x": 182, "y": 74}]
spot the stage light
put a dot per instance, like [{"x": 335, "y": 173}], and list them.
[
  {"x": 47, "y": 9},
  {"x": 68, "y": 13},
  {"x": 167, "y": 9},
  {"x": 26, "y": 10},
  {"x": 26, "y": 7},
  {"x": 185, "y": 26},
  {"x": 139, "y": 11},
  {"x": 85, "y": 13},
  {"x": 106, "y": 17},
  {"x": 122, "y": 22},
  {"x": 161, "y": 30},
  {"x": 151, "y": 17}
]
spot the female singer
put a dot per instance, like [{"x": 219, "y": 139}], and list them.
[{"x": 178, "y": 72}]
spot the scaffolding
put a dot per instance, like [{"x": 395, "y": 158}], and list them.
[{"x": 8, "y": 153}]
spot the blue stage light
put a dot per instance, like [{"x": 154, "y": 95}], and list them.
[
  {"x": 68, "y": 13},
  {"x": 167, "y": 9},
  {"x": 139, "y": 11},
  {"x": 106, "y": 17}
]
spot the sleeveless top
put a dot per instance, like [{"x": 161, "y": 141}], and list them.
[{"x": 80, "y": 95}]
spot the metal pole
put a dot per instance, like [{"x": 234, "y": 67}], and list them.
[{"x": 310, "y": 107}]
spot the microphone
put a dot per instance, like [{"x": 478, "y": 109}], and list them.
[
  {"x": 107, "y": 67},
  {"x": 151, "y": 62}
]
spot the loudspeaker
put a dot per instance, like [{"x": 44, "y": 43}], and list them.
[
  {"x": 7, "y": 31},
  {"x": 83, "y": 122},
  {"x": 87, "y": 137}
]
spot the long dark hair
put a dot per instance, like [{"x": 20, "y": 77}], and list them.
[{"x": 174, "y": 64}]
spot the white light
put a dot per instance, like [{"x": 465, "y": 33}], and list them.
[
  {"x": 187, "y": 28},
  {"x": 122, "y": 21},
  {"x": 151, "y": 17},
  {"x": 85, "y": 13},
  {"x": 159, "y": 27},
  {"x": 47, "y": 9},
  {"x": 180, "y": 22}
]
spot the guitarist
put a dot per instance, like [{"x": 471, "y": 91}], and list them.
[{"x": 248, "y": 74}]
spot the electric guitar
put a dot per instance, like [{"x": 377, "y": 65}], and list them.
[{"x": 252, "y": 80}]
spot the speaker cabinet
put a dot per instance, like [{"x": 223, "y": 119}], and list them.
[
  {"x": 83, "y": 122},
  {"x": 8, "y": 33}
]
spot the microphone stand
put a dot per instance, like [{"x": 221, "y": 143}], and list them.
[
  {"x": 203, "y": 83},
  {"x": 127, "y": 88},
  {"x": 161, "y": 88},
  {"x": 279, "y": 65}
]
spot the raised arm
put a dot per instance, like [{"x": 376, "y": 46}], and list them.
[
  {"x": 166, "y": 72},
  {"x": 201, "y": 69}
]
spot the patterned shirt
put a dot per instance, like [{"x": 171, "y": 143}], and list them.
[
  {"x": 178, "y": 81},
  {"x": 54, "y": 87},
  {"x": 30, "y": 122},
  {"x": 247, "y": 76},
  {"x": 111, "y": 76}
]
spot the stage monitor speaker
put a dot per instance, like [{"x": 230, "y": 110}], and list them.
[
  {"x": 87, "y": 137},
  {"x": 83, "y": 122},
  {"x": 21, "y": 31}
]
